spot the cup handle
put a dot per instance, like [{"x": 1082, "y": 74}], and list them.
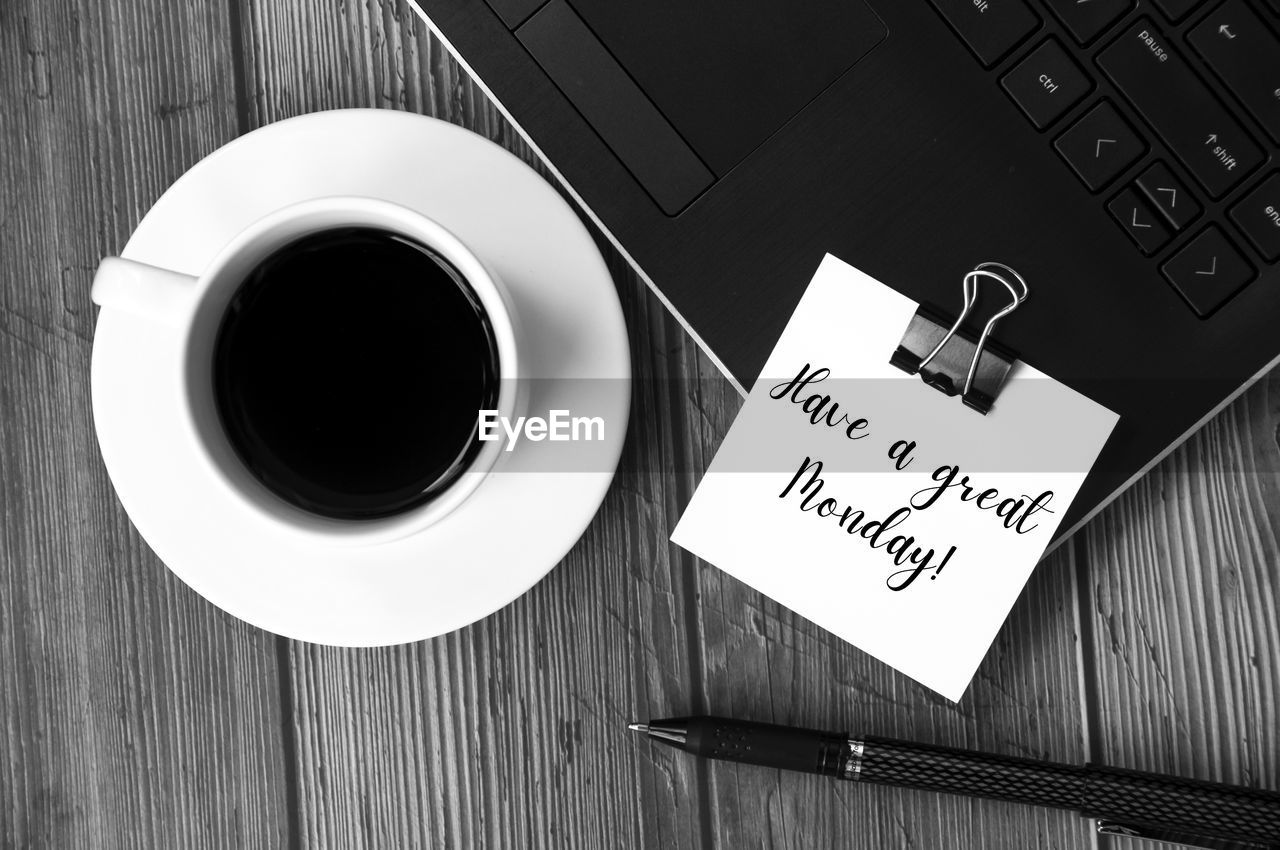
[{"x": 152, "y": 293}]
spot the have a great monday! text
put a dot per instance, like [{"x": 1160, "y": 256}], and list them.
[{"x": 890, "y": 535}]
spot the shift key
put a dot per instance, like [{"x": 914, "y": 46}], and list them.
[
  {"x": 1246, "y": 54},
  {"x": 1175, "y": 102}
]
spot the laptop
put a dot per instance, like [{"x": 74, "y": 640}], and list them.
[{"x": 1123, "y": 155}]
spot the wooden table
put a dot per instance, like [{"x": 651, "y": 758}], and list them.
[{"x": 137, "y": 715}]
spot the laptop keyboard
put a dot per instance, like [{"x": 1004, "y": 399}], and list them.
[{"x": 1171, "y": 114}]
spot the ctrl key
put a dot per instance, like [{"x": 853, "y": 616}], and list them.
[
  {"x": 1046, "y": 84},
  {"x": 1207, "y": 271}
]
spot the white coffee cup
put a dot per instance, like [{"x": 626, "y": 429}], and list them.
[{"x": 193, "y": 307}]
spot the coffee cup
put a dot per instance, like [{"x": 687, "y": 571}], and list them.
[{"x": 335, "y": 356}]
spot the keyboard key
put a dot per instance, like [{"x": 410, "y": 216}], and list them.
[
  {"x": 1168, "y": 195},
  {"x": 990, "y": 28},
  {"x": 1168, "y": 94},
  {"x": 1099, "y": 146},
  {"x": 1087, "y": 18},
  {"x": 1177, "y": 9},
  {"x": 1046, "y": 84},
  {"x": 1242, "y": 51},
  {"x": 1142, "y": 223},
  {"x": 1258, "y": 215},
  {"x": 1207, "y": 271}
]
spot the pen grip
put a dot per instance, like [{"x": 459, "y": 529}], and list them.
[
  {"x": 1204, "y": 808},
  {"x": 783, "y": 747},
  {"x": 1127, "y": 797},
  {"x": 973, "y": 774}
]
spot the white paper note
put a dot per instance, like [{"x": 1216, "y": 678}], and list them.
[{"x": 854, "y": 511}]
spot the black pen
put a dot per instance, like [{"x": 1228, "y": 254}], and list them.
[{"x": 1125, "y": 802}]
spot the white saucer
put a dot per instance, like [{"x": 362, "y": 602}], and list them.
[{"x": 517, "y": 525}]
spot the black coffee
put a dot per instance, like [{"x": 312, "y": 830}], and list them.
[{"x": 349, "y": 370}]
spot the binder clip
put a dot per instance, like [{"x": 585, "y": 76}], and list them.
[{"x": 952, "y": 361}]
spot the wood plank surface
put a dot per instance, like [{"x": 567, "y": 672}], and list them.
[
  {"x": 762, "y": 661},
  {"x": 511, "y": 732},
  {"x": 134, "y": 714},
  {"x": 1184, "y": 593},
  {"x": 629, "y": 626}
]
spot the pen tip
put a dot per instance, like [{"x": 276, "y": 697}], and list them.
[{"x": 638, "y": 727}]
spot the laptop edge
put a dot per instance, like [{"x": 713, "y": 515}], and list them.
[{"x": 737, "y": 384}]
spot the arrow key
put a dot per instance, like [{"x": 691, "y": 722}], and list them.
[
  {"x": 1099, "y": 146},
  {"x": 1207, "y": 271},
  {"x": 1143, "y": 224},
  {"x": 1169, "y": 195}
]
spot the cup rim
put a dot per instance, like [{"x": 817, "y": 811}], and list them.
[{"x": 332, "y": 212}]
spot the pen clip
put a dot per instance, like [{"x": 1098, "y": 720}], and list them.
[{"x": 1174, "y": 836}]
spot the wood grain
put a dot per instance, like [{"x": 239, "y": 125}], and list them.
[
  {"x": 768, "y": 663},
  {"x": 760, "y": 660},
  {"x": 1184, "y": 594},
  {"x": 511, "y": 732},
  {"x": 514, "y": 734},
  {"x": 134, "y": 714}
]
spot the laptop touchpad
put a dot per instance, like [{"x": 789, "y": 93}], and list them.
[{"x": 728, "y": 73}]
